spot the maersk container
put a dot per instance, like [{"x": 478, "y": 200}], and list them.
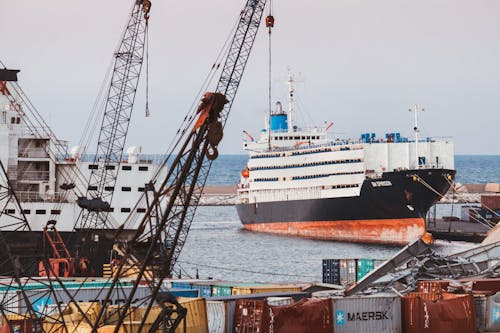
[
  {"x": 378, "y": 313},
  {"x": 347, "y": 271},
  {"x": 493, "y": 313},
  {"x": 363, "y": 267}
]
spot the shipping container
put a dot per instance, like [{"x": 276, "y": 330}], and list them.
[
  {"x": 262, "y": 296},
  {"x": 196, "y": 319},
  {"x": 220, "y": 316},
  {"x": 331, "y": 271},
  {"x": 279, "y": 301},
  {"x": 43, "y": 298},
  {"x": 480, "y": 311},
  {"x": 221, "y": 290},
  {"x": 433, "y": 286},
  {"x": 426, "y": 312},
  {"x": 204, "y": 290},
  {"x": 363, "y": 267},
  {"x": 493, "y": 313},
  {"x": 377, "y": 313},
  {"x": 248, "y": 316},
  {"x": 307, "y": 315},
  {"x": 490, "y": 201},
  {"x": 347, "y": 271},
  {"x": 257, "y": 289}
]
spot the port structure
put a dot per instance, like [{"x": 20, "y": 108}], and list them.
[{"x": 116, "y": 119}]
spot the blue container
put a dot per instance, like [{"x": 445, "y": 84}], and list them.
[
  {"x": 279, "y": 122},
  {"x": 204, "y": 290},
  {"x": 181, "y": 285},
  {"x": 184, "y": 292}
]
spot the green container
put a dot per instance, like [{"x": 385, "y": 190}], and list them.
[
  {"x": 364, "y": 266},
  {"x": 221, "y": 290}
]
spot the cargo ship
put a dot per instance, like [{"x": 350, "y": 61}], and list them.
[
  {"x": 42, "y": 180},
  {"x": 299, "y": 182}
]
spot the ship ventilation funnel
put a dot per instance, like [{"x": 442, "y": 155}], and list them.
[
  {"x": 76, "y": 152},
  {"x": 133, "y": 154},
  {"x": 279, "y": 119}
]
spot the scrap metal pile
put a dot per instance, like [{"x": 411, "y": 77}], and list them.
[{"x": 418, "y": 261}]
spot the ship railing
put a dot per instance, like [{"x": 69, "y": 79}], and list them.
[
  {"x": 32, "y": 196},
  {"x": 33, "y": 175}
]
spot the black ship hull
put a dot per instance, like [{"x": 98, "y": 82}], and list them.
[{"x": 389, "y": 210}]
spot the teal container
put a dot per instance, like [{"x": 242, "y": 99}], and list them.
[{"x": 364, "y": 266}]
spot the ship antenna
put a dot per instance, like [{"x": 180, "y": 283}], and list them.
[
  {"x": 416, "y": 109},
  {"x": 270, "y": 26},
  {"x": 290, "y": 100}
]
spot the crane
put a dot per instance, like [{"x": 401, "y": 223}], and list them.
[
  {"x": 117, "y": 112},
  {"x": 163, "y": 229}
]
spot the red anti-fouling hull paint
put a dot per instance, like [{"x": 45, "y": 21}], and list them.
[{"x": 381, "y": 231}]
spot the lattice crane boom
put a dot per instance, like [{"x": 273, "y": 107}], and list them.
[
  {"x": 118, "y": 109},
  {"x": 171, "y": 206}
]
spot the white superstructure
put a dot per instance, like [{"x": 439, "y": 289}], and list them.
[{"x": 37, "y": 174}]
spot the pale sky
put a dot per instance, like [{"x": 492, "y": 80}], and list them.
[{"x": 363, "y": 63}]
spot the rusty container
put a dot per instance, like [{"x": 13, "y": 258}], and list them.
[
  {"x": 490, "y": 201},
  {"x": 248, "y": 316},
  {"x": 433, "y": 286},
  {"x": 436, "y": 312},
  {"x": 307, "y": 315}
]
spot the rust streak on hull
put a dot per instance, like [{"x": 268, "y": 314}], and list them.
[{"x": 379, "y": 231}]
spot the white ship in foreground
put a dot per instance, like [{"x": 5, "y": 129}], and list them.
[
  {"x": 372, "y": 190},
  {"x": 43, "y": 182}
]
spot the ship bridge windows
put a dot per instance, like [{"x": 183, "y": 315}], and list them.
[
  {"x": 126, "y": 167},
  {"x": 304, "y": 165},
  {"x": 93, "y": 167},
  {"x": 272, "y": 179},
  {"x": 92, "y": 188},
  {"x": 125, "y": 210},
  {"x": 126, "y": 189},
  {"x": 40, "y": 212},
  {"x": 26, "y": 211},
  {"x": 55, "y": 212},
  {"x": 141, "y": 210},
  {"x": 143, "y": 168},
  {"x": 110, "y": 167},
  {"x": 109, "y": 188},
  {"x": 327, "y": 175},
  {"x": 10, "y": 211}
]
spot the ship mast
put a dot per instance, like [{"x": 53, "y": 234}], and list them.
[
  {"x": 416, "y": 109},
  {"x": 290, "y": 101}
]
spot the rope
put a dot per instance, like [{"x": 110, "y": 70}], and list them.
[
  {"x": 484, "y": 223},
  {"x": 246, "y": 270}
]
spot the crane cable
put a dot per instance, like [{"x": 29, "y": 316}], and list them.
[
  {"x": 270, "y": 26},
  {"x": 146, "y": 38}
]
